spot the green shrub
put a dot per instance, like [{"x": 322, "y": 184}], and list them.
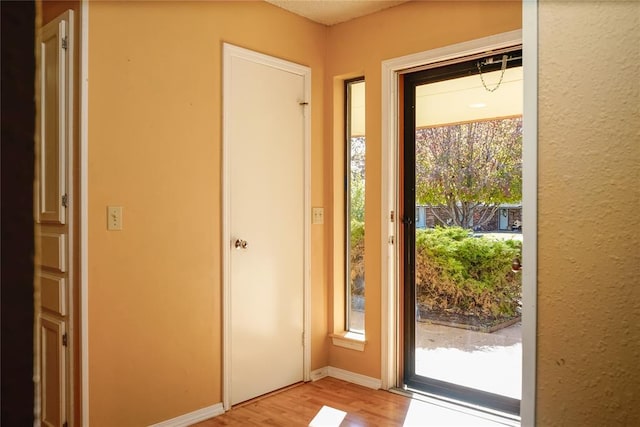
[
  {"x": 356, "y": 261},
  {"x": 357, "y": 233},
  {"x": 459, "y": 273},
  {"x": 455, "y": 272}
]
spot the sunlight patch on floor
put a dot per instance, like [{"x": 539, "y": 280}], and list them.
[
  {"x": 423, "y": 414},
  {"x": 495, "y": 369},
  {"x": 328, "y": 417}
]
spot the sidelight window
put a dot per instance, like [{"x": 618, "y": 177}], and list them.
[{"x": 354, "y": 179}]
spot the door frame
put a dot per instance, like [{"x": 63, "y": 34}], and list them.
[
  {"x": 230, "y": 51},
  {"x": 83, "y": 196},
  {"x": 391, "y": 356},
  {"x": 412, "y": 379}
]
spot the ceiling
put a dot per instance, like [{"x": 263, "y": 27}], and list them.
[
  {"x": 464, "y": 99},
  {"x": 331, "y": 12}
]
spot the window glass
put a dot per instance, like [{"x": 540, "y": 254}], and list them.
[{"x": 355, "y": 204}]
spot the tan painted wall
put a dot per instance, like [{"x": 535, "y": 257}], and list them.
[
  {"x": 358, "y": 47},
  {"x": 155, "y": 149},
  {"x": 589, "y": 196},
  {"x": 155, "y": 287}
]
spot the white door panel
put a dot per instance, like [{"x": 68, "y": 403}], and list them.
[
  {"x": 266, "y": 179},
  {"x": 54, "y": 223},
  {"x": 53, "y": 141},
  {"x": 52, "y": 366}
]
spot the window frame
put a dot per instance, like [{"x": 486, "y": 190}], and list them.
[{"x": 347, "y": 202}]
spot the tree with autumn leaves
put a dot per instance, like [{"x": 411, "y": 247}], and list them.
[{"x": 469, "y": 169}]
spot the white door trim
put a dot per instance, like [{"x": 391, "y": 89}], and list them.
[
  {"x": 530, "y": 214},
  {"x": 391, "y": 69},
  {"x": 230, "y": 51},
  {"x": 84, "y": 211}
]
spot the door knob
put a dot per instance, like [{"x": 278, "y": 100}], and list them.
[{"x": 241, "y": 244}]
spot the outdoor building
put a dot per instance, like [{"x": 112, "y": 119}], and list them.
[{"x": 508, "y": 217}]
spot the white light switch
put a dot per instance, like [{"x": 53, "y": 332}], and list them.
[
  {"x": 317, "y": 215},
  {"x": 114, "y": 217}
]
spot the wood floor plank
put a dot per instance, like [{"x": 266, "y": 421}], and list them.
[{"x": 297, "y": 406}]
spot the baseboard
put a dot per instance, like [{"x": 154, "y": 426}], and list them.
[
  {"x": 352, "y": 377},
  {"x": 192, "y": 417},
  {"x": 319, "y": 374}
]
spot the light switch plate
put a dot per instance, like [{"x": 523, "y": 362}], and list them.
[
  {"x": 114, "y": 218},
  {"x": 317, "y": 215}
]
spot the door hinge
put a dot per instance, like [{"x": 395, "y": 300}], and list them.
[
  {"x": 392, "y": 240},
  {"x": 64, "y": 339},
  {"x": 392, "y": 216},
  {"x": 64, "y": 43},
  {"x": 65, "y": 200}
]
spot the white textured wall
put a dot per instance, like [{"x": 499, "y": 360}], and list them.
[{"x": 589, "y": 214}]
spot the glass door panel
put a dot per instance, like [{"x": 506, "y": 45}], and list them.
[{"x": 462, "y": 231}]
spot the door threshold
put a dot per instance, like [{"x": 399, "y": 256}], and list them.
[{"x": 460, "y": 406}]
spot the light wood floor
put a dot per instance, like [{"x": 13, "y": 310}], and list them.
[{"x": 299, "y": 405}]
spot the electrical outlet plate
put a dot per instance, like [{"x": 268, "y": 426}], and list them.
[
  {"x": 317, "y": 215},
  {"x": 114, "y": 218}
]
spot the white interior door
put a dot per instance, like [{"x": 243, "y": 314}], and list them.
[
  {"x": 54, "y": 223},
  {"x": 265, "y": 198}
]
